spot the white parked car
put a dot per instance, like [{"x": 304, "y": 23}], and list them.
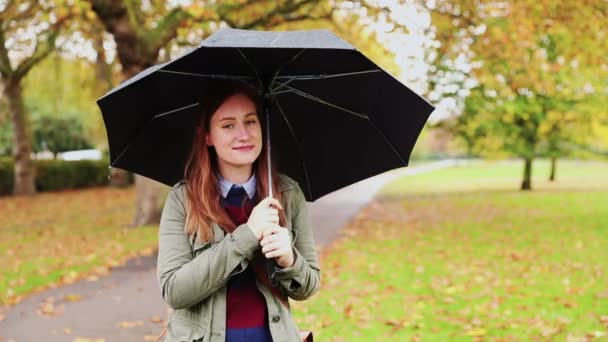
[{"x": 92, "y": 154}]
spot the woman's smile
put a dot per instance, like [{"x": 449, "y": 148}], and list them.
[{"x": 243, "y": 148}]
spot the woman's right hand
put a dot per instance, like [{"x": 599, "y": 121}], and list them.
[{"x": 263, "y": 216}]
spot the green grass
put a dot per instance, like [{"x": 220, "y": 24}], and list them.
[
  {"x": 55, "y": 238},
  {"x": 461, "y": 254}
]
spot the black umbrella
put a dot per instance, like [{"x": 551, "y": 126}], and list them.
[{"x": 337, "y": 118}]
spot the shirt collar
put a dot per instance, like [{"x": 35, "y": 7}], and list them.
[{"x": 226, "y": 185}]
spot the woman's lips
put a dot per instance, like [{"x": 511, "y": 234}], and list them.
[{"x": 244, "y": 148}]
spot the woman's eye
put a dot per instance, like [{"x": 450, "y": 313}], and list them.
[
  {"x": 251, "y": 121},
  {"x": 228, "y": 126}
]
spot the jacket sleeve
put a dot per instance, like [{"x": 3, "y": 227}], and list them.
[
  {"x": 186, "y": 280},
  {"x": 302, "y": 279}
]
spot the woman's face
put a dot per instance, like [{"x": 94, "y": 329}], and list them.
[{"x": 235, "y": 132}]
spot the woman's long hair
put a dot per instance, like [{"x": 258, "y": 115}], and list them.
[{"x": 203, "y": 195}]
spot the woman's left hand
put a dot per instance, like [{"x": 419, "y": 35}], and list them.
[{"x": 276, "y": 243}]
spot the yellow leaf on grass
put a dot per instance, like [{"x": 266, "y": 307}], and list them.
[
  {"x": 477, "y": 332},
  {"x": 596, "y": 334},
  {"x": 450, "y": 290}
]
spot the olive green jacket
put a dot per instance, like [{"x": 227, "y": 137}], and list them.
[{"x": 193, "y": 275}]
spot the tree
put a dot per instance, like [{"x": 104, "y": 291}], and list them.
[
  {"x": 29, "y": 31},
  {"x": 527, "y": 58}
]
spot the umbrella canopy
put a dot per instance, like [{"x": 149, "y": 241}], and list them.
[{"x": 337, "y": 118}]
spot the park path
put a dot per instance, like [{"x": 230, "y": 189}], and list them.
[{"x": 127, "y": 306}]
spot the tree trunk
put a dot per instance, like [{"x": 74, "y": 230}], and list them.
[
  {"x": 553, "y": 166},
  {"x": 103, "y": 70},
  {"x": 118, "y": 177},
  {"x": 526, "y": 184},
  {"x": 147, "y": 209},
  {"x": 24, "y": 171}
]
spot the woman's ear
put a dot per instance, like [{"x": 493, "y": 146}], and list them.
[{"x": 208, "y": 141}]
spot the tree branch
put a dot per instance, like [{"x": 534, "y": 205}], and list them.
[
  {"x": 43, "y": 48},
  {"x": 5, "y": 63},
  {"x": 134, "y": 13},
  {"x": 290, "y": 7},
  {"x": 166, "y": 29},
  {"x": 28, "y": 12},
  {"x": 224, "y": 12},
  {"x": 9, "y": 6},
  {"x": 307, "y": 16}
]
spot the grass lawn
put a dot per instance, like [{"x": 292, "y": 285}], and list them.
[
  {"x": 56, "y": 238},
  {"x": 461, "y": 254}
]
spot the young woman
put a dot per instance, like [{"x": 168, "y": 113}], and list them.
[{"x": 229, "y": 254}]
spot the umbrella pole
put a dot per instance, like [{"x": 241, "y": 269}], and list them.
[
  {"x": 274, "y": 265},
  {"x": 266, "y": 109}
]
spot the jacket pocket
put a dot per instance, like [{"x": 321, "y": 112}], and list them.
[{"x": 184, "y": 331}]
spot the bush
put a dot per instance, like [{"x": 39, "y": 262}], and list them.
[{"x": 52, "y": 175}]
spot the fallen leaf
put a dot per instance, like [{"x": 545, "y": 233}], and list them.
[
  {"x": 47, "y": 309},
  {"x": 604, "y": 320},
  {"x": 92, "y": 278},
  {"x": 348, "y": 310},
  {"x": 126, "y": 324},
  {"x": 549, "y": 331},
  {"x": 476, "y": 332},
  {"x": 596, "y": 334},
  {"x": 156, "y": 319},
  {"x": 602, "y": 295},
  {"x": 72, "y": 297}
]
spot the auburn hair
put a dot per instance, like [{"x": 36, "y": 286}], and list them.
[{"x": 203, "y": 205}]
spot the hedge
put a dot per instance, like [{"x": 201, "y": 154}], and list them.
[{"x": 52, "y": 175}]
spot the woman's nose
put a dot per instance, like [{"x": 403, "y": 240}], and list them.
[{"x": 243, "y": 133}]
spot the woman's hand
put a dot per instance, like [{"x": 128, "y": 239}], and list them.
[
  {"x": 276, "y": 243},
  {"x": 263, "y": 216}
]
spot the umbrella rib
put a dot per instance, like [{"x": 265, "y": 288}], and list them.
[
  {"x": 227, "y": 77},
  {"x": 276, "y": 73},
  {"x": 257, "y": 75},
  {"x": 174, "y": 110},
  {"x": 387, "y": 141},
  {"x": 297, "y": 144},
  {"x": 144, "y": 126},
  {"x": 314, "y": 98},
  {"x": 321, "y": 76}
]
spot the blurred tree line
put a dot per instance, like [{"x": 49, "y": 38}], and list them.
[{"x": 529, "y": 77}]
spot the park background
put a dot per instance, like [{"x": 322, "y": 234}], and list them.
[{"x": 506, "y": 243}]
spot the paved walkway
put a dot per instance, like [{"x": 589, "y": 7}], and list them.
[{"x": 127, "y": 306}]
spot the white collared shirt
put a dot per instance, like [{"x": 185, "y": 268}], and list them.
[{"x": 226, "y": 185}]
